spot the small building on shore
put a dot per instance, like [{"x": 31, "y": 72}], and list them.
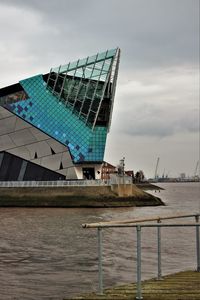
[{"x": 107, "y": 169}]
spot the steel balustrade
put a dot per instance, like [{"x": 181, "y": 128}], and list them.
[
  {"x": 134, "y": 223},
  {"x": 58, "y": 183}
]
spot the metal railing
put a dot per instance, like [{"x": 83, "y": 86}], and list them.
[
  {"x": 134, "y": 223},
  {"x": 58, "y": 183}
]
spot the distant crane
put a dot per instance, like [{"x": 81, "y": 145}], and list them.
[
  {"x": 156, "y": 170},
  {"x": 196, "y": 169}
]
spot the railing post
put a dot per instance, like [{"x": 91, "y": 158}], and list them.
[
  {"x": 100, "y": 274},
  {"x": 139, "y": 289},
  {"x": 159, "y": 250},
  {"x": 197, "y": 243}
]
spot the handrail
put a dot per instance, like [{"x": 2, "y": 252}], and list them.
[
  {"x": 131, "y": 221},
  {"x": 134, "y": 223},
  {"x": 56, "y": 183},
  {"x": 149, "y": 225}
]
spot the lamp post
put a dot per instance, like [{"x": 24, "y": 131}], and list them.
[{"x": 122, "y": 165}]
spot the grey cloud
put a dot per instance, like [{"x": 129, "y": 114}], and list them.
[
  {"x": 165, "y": 107},
  {"x": 152, "y": 121},
  {"x": 158, "y": 104},
  {"x": 149, "y": 32}
]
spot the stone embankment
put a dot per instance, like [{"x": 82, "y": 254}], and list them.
[{"x": 90, "y": 196}]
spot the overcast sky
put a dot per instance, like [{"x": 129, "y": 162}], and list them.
[{"x": 156, "y": 111}]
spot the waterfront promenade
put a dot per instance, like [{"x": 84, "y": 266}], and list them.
[{"x": 179, "y": 286}]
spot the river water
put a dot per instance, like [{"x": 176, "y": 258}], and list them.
[{"x": 45, "y": 253}]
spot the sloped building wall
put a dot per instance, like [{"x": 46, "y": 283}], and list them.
[
  {"x": 13, "y": 168},
  {"x": 25, "y": 141}
]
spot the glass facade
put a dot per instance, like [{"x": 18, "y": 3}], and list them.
[{"x": 72, "y": 104}]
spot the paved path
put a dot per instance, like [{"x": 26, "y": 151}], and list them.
[{"x": 180, "y": 286}]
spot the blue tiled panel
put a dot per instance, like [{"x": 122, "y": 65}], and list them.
[{"x": 44, "y": 111}]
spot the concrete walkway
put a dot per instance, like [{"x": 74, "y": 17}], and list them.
[{"x": 180, "y": 286}]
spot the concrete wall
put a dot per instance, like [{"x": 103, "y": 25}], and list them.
[
  {"x": 126, "y": 190},
  {"x": 122, "y": 189}
]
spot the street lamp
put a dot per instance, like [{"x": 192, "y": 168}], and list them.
[{"x": 122, "y": 167}]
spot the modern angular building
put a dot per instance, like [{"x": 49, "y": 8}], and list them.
[{"x": 54, "y": 126}]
